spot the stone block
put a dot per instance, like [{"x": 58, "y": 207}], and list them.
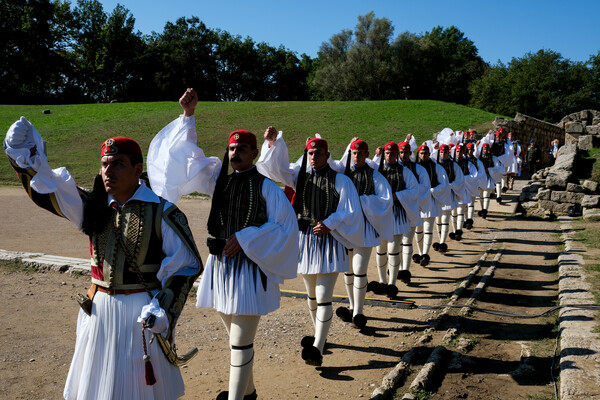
[
  {"x": 530, "y": 205},
  {"x": 596, "y": 121},
  {"x": 593, "y": 130},
  {"x": 591, "y": 186},
  {"x": 575, "y": 188},
  {"x": 574, "y": 127},
  {"x": 585, "y": 142},
  {"x": 591, "y": 214},
  {"x": 527, "y": 196},
  {"x": 590, "y": 201},
  {"x": 558, "y": 180},
  {"x": 544, "y": 194},
  {"x": 566, "y": 197}
]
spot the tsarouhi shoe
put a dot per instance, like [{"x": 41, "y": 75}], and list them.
[
  {"x": 436, "y": 246},
  {"x": 312, "y": 356},
  {"x": 458, "y": 235},
  {"x": 452, "y": 235},
  {"x": 416, "y": 258},
  {"x": 359, "y": 321},
  {"x": 376, "y": 287},
  {"x": 469, "y": 222},
  {"x": 425, "y": 260},
  {"x": 404, "y": 276},
  {"x": 391, "y": 291},
  {"x": 484, "y": 214},
  {"x": 344, "y": 313},
  {"x": 443, "y": 247},
  {"x": 307, "y": 341}
]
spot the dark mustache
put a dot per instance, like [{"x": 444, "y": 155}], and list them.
[{"x": 236, "y": 159}]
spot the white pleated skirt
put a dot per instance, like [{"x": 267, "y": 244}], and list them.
[
  {"x": 235, "y": 286},
  {"x": 108, "y": 360},
  {"x": 321, "y": 254},
  {"x": 401, "y": 223}
]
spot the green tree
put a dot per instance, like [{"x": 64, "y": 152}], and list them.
[
  {"x": 543, "y": 85},
  {"x": 34, "y": 38},
  {"x": 448, "y": 63},
  {"x": 357, "y": 65}
]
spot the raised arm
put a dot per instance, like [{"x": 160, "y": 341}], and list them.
[{"x": 53, "y": 190}]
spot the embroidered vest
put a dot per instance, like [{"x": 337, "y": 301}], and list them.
[
  {"x": 128, "y": 238},
  {"x": 362, "y": 177},
  {"x": 242, "y": 204},
  {"x": 447, "y": 165},
  {"x": 394, "y": 175},
  {"x": 463, "y": 163},
  {"x": 429, "y": 166},
  {"x": 488, "y": 161},
  {"x": 319, "y": 197},
  {"x": 498, "y": 149}
]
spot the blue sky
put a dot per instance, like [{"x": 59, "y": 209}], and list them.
[{"x": 501, "y": 30}]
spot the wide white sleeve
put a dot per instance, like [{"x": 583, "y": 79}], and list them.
[
  {"x": 274, "y": 163},
  {"x": 20, "y": 139},
  {"x": 273, "y": 245},
  {"x": 176, "y": 165},
  {"x": 424, "y": 182},
  {"x": 179, "y": 260},
  {"x": 378, "y": 207},
  {"x": 347, "y": 223},
  {"x": 442, "y": 192},
  {"x": 410, "y": 194},
  {"x": 497, "y": 170}
]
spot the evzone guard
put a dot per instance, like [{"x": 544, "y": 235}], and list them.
[
  {"x": 330, "y": 221},
  {"x": 144, "y": 262},
  {"x": 254, "y": 237},
  {"x": 407, "y": 159},
  {"x": 430, "y": 206},
  {"x": 405, "y": 190},
  {"x": 456, "y": 182},
  {"x": 375, "y": 196}
]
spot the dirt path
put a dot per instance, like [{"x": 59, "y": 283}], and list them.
[{"x": 38, "y": 314}]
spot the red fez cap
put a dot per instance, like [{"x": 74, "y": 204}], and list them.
[
  {"x": 470, "y": 145},
  {"x": 444, "y": 147},
  {"x": 423, "y": 147},
  {"x": 485, "y": 145},
  {"x": 390, "y": 146},
  {"x": 316, "y": 143},
  {"x": 459, "y": 146},
  {"x": 403, "y": 146},
  {"x": 359, "y": 145},
  {"x": 242, "y": 137},
  {"x": 120, "y": 145},
  {"x": 499, "y": 133}
]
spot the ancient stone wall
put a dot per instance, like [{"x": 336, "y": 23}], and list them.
[{"x": 527, "y": 128}]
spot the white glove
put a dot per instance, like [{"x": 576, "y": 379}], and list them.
[
  {"x": 161, "y": 324},
  {"x": 19, "y": 135}
]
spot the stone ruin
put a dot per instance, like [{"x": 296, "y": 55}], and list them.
[{"x": 557, "y": 190}]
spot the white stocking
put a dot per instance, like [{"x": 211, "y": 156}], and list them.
[
  {"x": 321, "y": 285},
  {"x": 393, "y": 250},
  {"x": 407, "y": 249},
  {"x": 381, "y": 259},
  {"x": 241, "y": 330},
  {"x": 360, "y": 264},
  {"x": 427, "y": 234}
]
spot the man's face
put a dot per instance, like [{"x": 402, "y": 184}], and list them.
[
  {"x": 445, "y": 153},
  {"x": 424, "y": 154},
  {"x": 470, "y": 151},
  {"x": 510, "y": 136},
  {"x": 485, "y": 150},
  {"x": 391, "y": 156},
  {"x": 317, "y": 158},
  {"x": 404, "y": 155},
  {"x": 120, "y": 177},
  {"x": 359, "y": 157},
  {"x": 241, "y": 156}
]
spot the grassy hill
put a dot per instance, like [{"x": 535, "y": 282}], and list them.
[{"x": 74, "y": 133}]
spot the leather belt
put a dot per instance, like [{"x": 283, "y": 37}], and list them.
[{"x": 113, "y": 292}]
